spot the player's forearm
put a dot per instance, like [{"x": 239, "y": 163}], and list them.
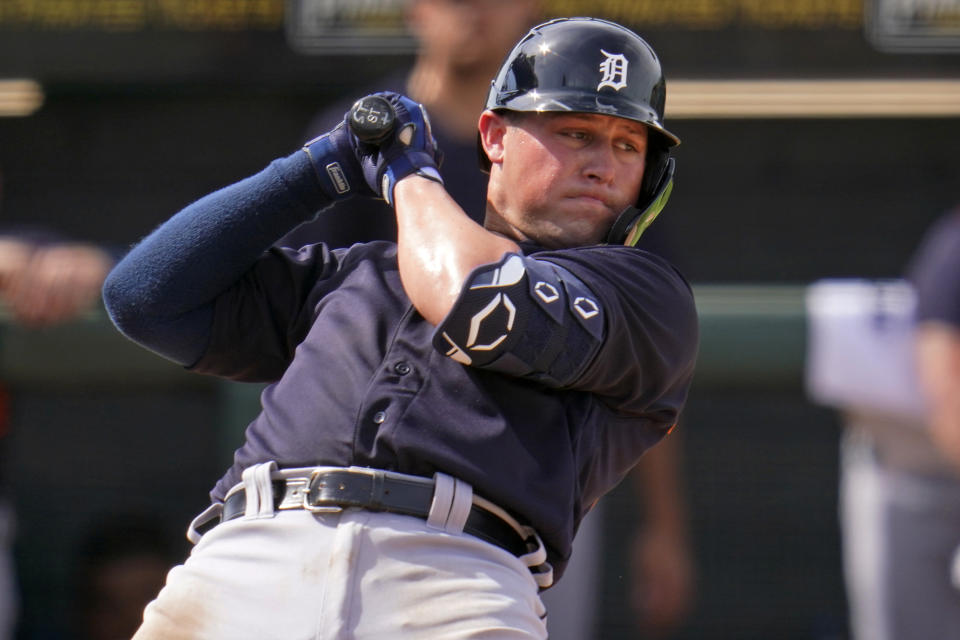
[
  {"x": 439, "y": 245},
  {"x": 161, "y": 294}
]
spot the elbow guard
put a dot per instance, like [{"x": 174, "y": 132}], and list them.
[{"x": 524, "y": 317}]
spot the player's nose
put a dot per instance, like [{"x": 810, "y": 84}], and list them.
[{"x": 599, "y": 161}]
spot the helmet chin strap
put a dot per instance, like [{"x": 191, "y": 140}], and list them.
[{"x": 634, "y": 220}]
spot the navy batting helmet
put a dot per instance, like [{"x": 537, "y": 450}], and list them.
[{"x": 588, "y": 65}]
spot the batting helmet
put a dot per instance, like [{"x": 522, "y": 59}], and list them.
[{"x": 588, "y": 65}]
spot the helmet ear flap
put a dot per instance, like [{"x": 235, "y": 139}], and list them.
[
  {"x": 656, "y": 168},
  {"x": 634, "y": 220}
]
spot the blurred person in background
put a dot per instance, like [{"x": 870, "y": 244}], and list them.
[
  {"x": 936, "y": 276},
  {"x": 935, "y": 273},
  {"x": 887, "y": 354},
  {"x": 460, "y": 46},
  {"x": 45, "y": 280}
]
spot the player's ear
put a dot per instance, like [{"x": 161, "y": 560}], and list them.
[{"x": 493, "y": 128}]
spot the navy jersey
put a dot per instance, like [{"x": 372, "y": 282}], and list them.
[
  {"x": 356, "y": 378},
  {"x": 359, "y": 383},
  {"x": 935, "y": 272}
]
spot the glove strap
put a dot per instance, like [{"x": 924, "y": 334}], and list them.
[
  {"x": 393, "y": 174},
  {"x": 334, "y": 178}
]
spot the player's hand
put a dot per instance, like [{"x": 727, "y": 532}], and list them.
[
  {"x": 410, "y": 148},
  {"x": 336, "y": 157}
]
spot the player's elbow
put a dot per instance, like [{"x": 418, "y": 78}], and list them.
[
  {"x": 119, "y": 301},
  {"x": 137, "y": 316},
  {"x": 126, "y": 299}
]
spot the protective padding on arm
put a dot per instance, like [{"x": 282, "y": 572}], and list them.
[{"x": 524, "y": 317}]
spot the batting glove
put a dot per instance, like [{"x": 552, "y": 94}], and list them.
[
  {"x": 409, "y": 149},
  {"x": 336, "y": 157}
]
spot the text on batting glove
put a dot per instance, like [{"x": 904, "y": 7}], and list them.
[
  {"x": 336, "y": 159},
  {"x": 410, "y": 149}
]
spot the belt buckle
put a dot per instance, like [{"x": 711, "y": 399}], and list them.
[{"x": 310, "y": 503}]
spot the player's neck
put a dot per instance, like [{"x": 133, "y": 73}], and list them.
[{"x": 453, "y": 100}]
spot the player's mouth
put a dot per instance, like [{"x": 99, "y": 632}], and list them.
[{"x": 592, "y": 201}]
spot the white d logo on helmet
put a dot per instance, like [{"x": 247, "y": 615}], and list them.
[{"x": 614, "y": 69}]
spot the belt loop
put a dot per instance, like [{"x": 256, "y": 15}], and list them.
[
  {"x": 442, "y": 499},
  {"x": 258, "y": 486},
  {"x": 460, "y": 509},
  {"x": 208, "y": 514},
  {"x": 537, "y": 559},
  {"x": 452, "y": 501}
]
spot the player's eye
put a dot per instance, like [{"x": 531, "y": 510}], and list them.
[{"x": 631, "y": 146}]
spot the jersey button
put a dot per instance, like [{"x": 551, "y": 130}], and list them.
[
  {"x": 402, "y": 368},
  {"x": 379, "y": 417}
]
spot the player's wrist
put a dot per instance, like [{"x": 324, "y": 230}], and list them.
[
  {"x": 396, "y": 173},
  {"x": 415, "y": 187},
  {"x": 336, "y": 164}
]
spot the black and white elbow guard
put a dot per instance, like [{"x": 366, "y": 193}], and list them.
[{"x": 524, "y": 317}]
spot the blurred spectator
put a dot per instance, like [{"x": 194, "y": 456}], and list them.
[
  {"x": 936, "y": 275},
  {"x": 935, "y": 272},
  {"x": 46, "y": 281},
  {"x": 900, "y": 490},
  {"x": 461, "y": 44}
]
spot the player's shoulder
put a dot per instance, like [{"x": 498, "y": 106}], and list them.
[
  {"x": 603, "y": 252},
  {"x": 630, "y": 280},
  {"x": 617, "y": 264}
]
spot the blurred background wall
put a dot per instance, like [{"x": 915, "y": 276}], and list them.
[{"x": 133, "y": 108}]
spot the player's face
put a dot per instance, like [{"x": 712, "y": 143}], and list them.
[{"x": 561, "y": 179}]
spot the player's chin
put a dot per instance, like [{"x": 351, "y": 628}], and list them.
[
  {"x": 580, "y": 234},
  {"x": 593, "y": 218}
]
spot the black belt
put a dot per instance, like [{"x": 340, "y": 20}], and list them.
[{"x": 375, "y": 490}]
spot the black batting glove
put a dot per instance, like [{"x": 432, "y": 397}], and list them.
[{"x": 410, "y": 148}]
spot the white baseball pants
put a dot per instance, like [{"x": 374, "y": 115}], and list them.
[{"x": 351, "y": 575}]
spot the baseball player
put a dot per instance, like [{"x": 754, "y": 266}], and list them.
[{"x": 443, "y": 410}]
